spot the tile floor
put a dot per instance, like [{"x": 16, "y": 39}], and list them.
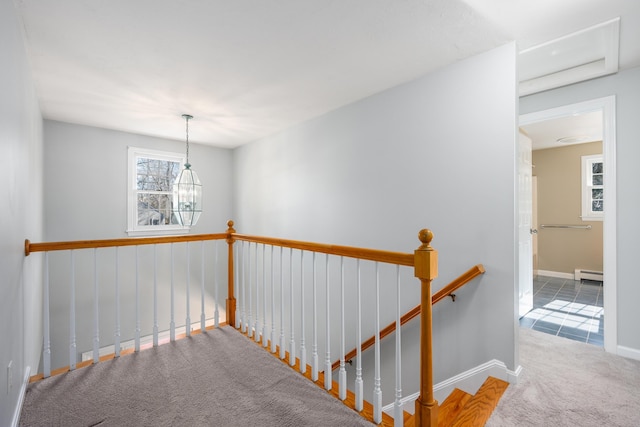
[{"x": 567, "y": 308}]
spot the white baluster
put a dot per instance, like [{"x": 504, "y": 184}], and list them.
[
  {"x": 172, "y": 322},
  {"x": 96, "y": 314},
  {"x": 117, "y": 333},
  {"x": 282, "y": 349},
  {"x": 244, "y": 285},
  {"x": 203, "y": 323},
  {"x": 303, "y": 350},
  {"x": 46, "y": 348},
  {"x": 358, "y": 388},
  {"x": 72, "y": 315},
  {"x": 314, "y": 347},
  {"x": 398, "y": 418},
  {"x": 256, "y": 328},
  {"x": 327, "y": 357},
  {"x": 273, "y": 307},
  {"x": 342, "y": 374},
  {"x": 137, "y": 302},
  {"x": 249, "y": 319},
  {"x": 292, "y": 341},
  {"x": 265, "y": 338},
  {"x": 188, "y": 319},
  {"x": 216, "y": 311},
  {"x": 377, "y": 390},
  {"x": 155, "y": 295}
]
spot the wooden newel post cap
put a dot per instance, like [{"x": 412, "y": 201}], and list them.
[
  {"x": 230, "y": 230},
  {"x": 426, "y": 258},
  {"x": 426, "y": 236}
]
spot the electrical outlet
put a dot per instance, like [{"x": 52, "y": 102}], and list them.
[{"x": 9, "y": 377}]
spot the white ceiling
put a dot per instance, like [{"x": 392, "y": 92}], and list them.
[
  {"x": 574, "y": 129},
  {"x": 246, "y": 69}
]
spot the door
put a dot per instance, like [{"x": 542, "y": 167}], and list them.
[
  {"x": 525, "y": 226},
  {"x": 534, "y": 222}
]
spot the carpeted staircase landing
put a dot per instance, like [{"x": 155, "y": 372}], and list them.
[{"x": 462, "y": 409}]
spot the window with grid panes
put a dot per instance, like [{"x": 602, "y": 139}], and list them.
[
  {"x": 151, "y": 177},
  {"x": 592, "y": 188}
]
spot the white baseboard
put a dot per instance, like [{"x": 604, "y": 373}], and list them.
[
  {"x": 469, "y": 381},
  {"x": 629, "y": 353},
  {"x": 23, "y": 391},
  {"x": 558, "y": 274}
]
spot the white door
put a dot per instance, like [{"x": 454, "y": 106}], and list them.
[
  {"x": 525, "y": 226},
  {"x": 534, "y": 223}
]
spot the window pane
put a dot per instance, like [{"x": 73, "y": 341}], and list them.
[
  {"x": 596, "y": 167},
  {"x": 596, "y": 206},
  {"x": 596, "y": 193},
  {"x": 154, "y": 209},
  {"x": 597, "y": 180},
  {"x": 156, "y": 175}
]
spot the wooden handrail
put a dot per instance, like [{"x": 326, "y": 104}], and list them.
[
  {"x": 400, "y": 258},
  {"x": 108, "y": 243},
  {"x": 448, "y": 290},
  {"x": 406, "y": 259},
  {"x": 457, "y": 283}
]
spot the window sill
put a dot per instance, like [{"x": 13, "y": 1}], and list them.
[{"x": 158, "y": 232}]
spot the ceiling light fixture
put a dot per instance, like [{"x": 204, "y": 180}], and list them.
[
  {"x": 187, "y": 191},
  {"x": 574, "y": 139}
]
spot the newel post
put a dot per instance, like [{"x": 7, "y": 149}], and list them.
[
  {"x": 426, "y": 269},
  {"x": 231, "y": 299}
]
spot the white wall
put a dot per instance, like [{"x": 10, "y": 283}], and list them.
[
  {"x": 626, "y": 87},
  {"x": 438, "y": 152},
  {"x": 21, "y": 212},
  {"x": 85, "y": 171}
]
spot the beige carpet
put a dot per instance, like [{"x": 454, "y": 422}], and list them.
[
  {"x": 215, "y": 379},
  {"x": 568, "y": 383}
]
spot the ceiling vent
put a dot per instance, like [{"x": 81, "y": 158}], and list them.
[{"x": 583, "y": 55}]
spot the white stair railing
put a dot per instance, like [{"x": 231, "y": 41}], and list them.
[
  {"x": 96, "y": 310},
  {"x": 250, "y": 281},
  {"x": 327, "y": 358},
  {"x": 398, "y": 416},
  {"x": 320, "y": 296}
]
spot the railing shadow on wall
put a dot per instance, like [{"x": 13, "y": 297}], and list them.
[{"x": 276, "y": 293}]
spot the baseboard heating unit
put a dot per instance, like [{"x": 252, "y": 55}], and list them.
[{"x": 588, "y": 275}]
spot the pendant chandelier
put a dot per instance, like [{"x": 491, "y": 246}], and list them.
[{"x": 187, "y": 191}]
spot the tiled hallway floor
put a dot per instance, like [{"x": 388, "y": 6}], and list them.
[{"x": 567, "y": 308}]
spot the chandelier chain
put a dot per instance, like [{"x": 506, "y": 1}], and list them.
[{"x": 187, "y": 126}]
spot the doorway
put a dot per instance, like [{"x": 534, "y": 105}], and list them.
[{"x": 607, "y": 107}]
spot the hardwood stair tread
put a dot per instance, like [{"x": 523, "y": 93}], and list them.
[
  {"x": 452, "y": 406},
  {"x": 479, "y": 407}
]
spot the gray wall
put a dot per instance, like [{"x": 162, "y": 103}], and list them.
[
  {"x": 21, "y": 212},
  {"x": 95, "y": 206},
  {"x": 438, "y": 152},
  {"x": 626, "y": 87},
  {"x": 85, "y": 198}
]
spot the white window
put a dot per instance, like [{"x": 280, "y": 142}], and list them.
[
  {"x": 592, "y": 188},
  {"x": 151, "y": 177}
]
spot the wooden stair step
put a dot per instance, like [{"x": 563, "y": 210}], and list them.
[
  {"x": 452, "y": 406},
  {"x": 479, "y": 407}
]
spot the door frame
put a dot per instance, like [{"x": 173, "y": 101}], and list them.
[{"x": 609, "y": 270}]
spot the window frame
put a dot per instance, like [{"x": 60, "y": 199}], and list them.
[
  {"x": 588, "y": 214},
  {"x": 133, "y": 228}
]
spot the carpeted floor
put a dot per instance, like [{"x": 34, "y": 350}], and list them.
[
  {"x": 215, "y": 379},
  {"x": 568, "y": 383}
]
